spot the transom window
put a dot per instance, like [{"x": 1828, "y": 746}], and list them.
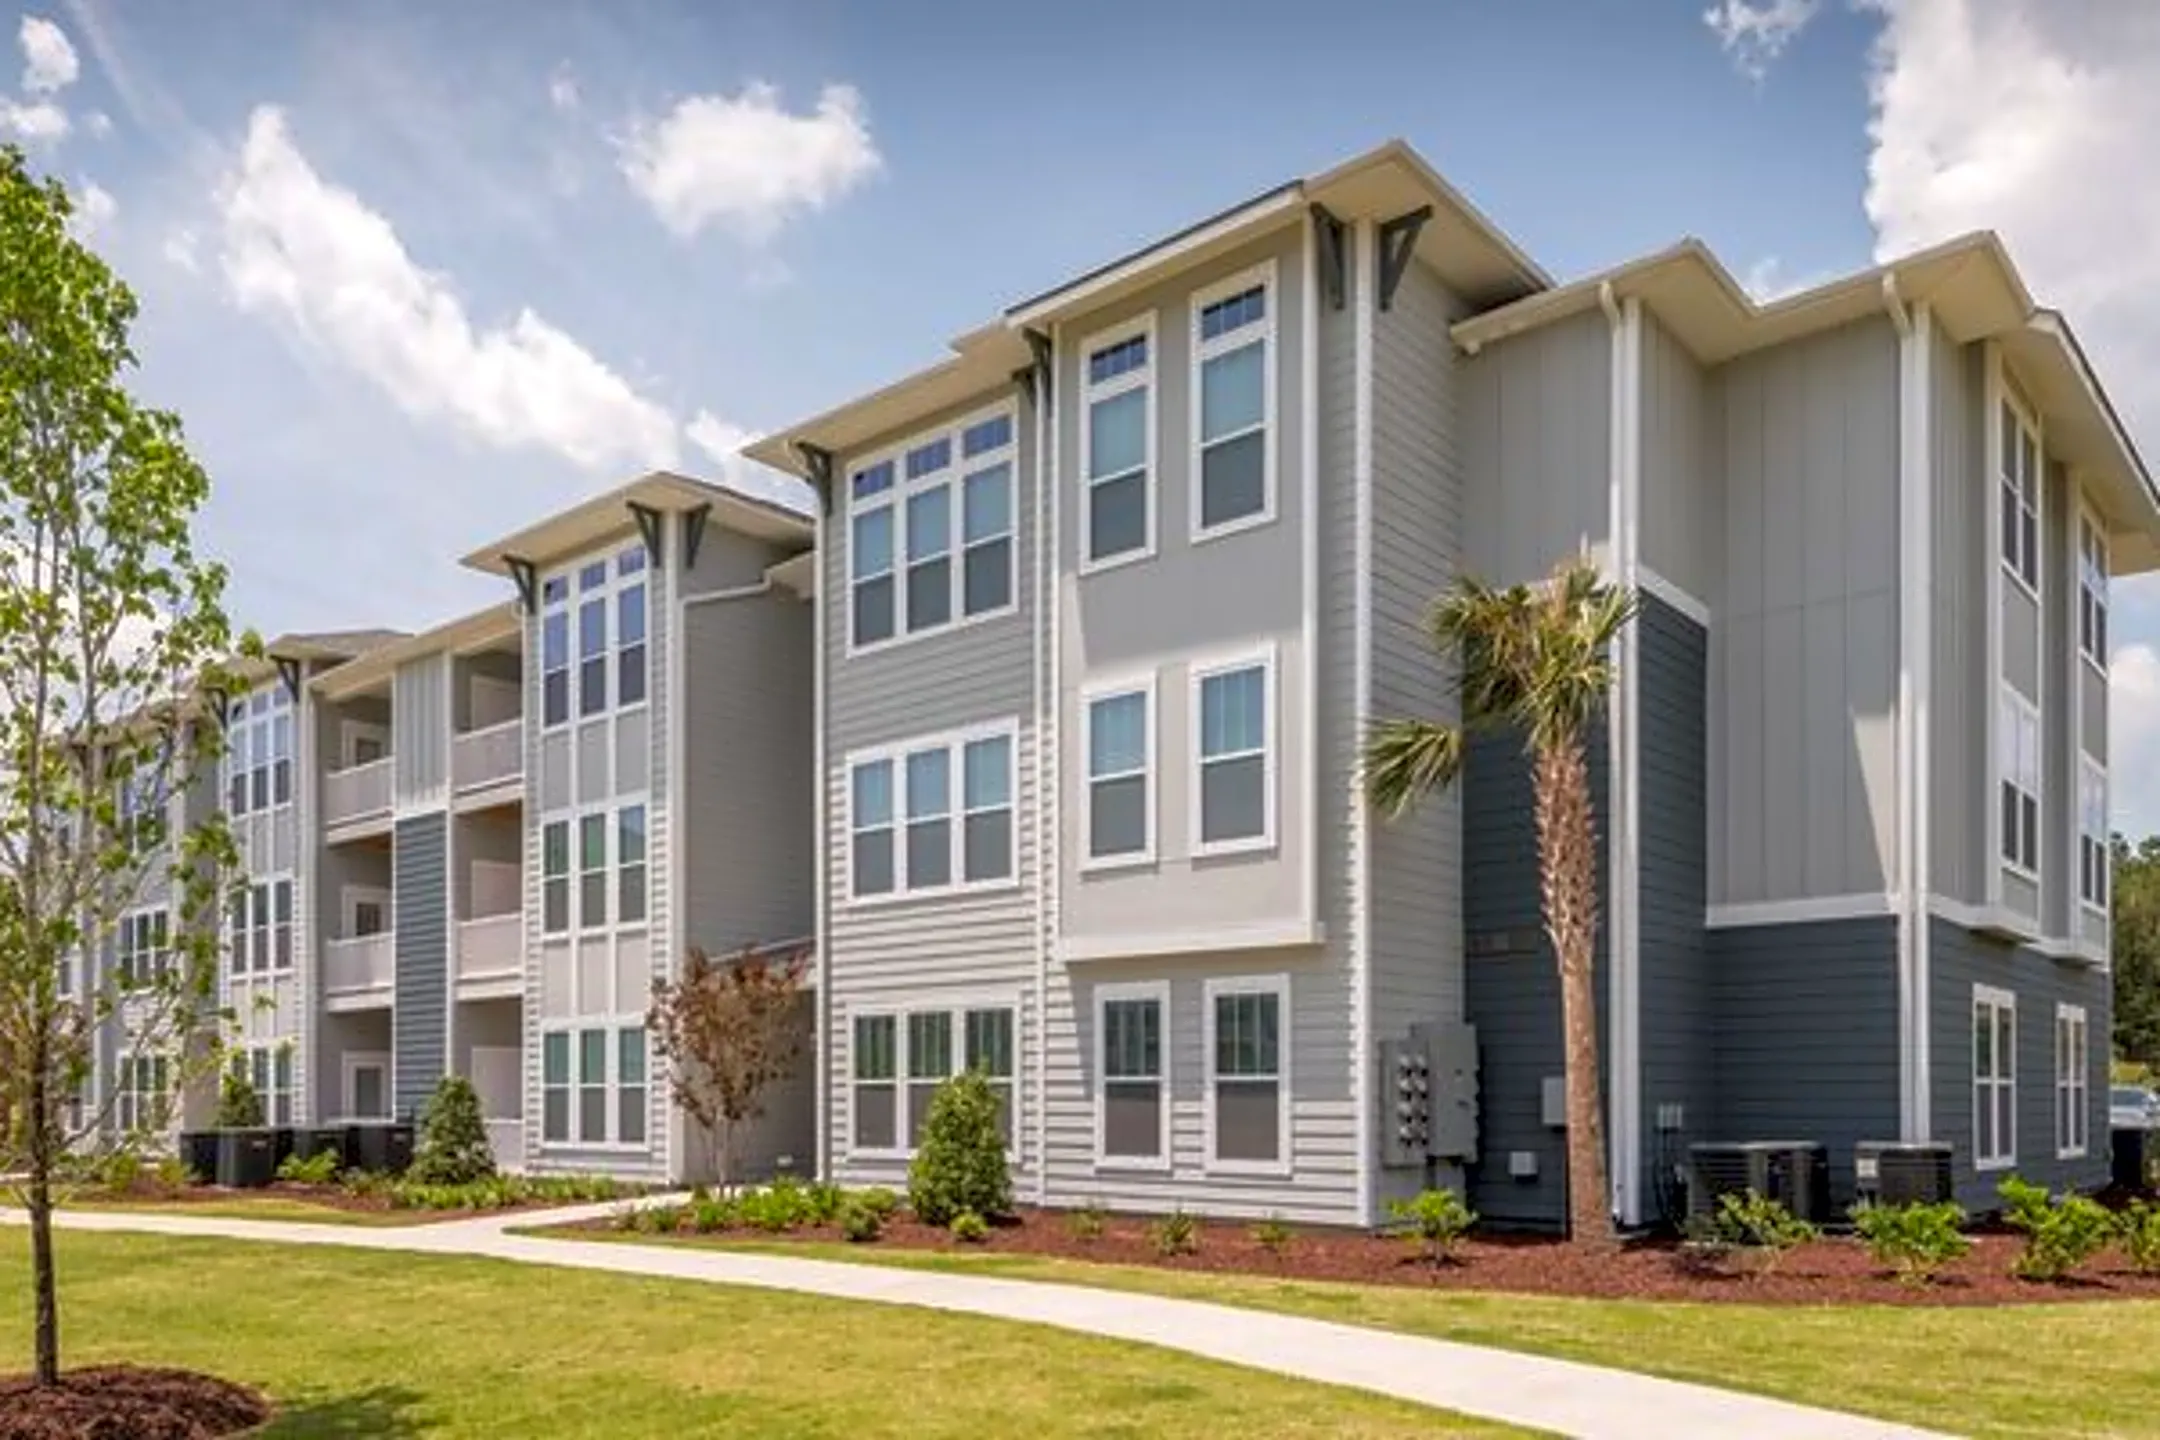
[
  {"x": 1248, "y": 1103},
  {"x": 602, "y": 605},
  {"x": 610, "y": 855},
  {"x": 2019, "y": 742},
  {"x": 927, "y": 1047},
  {"x": 1121, "y": 761},
  {"x": 259, "y": 926},
  {"x": 258, "y": 751},
  {"x": 1132, "y": 1100},
  {"x": 1117, "y": 449},
  {"x": 1235, "y": 809},
  {"x": 2020, "y": 462},
  {"x": 2092, "y": 592},
  {"x": 2072, "y": 1115},
  {"x": 2093, "y": 857},
  {"x": 948, "y": 506},
  {"x": 593, "y": 1086},
  {"x": 142, "y": 947},
  {"x": 1994, "y": 1072},
  {"x": 932, "y": 816},
  {"x": 1233, "y": 406}
]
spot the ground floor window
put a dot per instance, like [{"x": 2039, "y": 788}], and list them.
[
  {"x": 141, "y": 1096},
  {"x": 900, "y": 1058},
  {"x": 1132, "y": 1100},
  {"x": 1994, "y": 1072},
  {"x": 2072, "y": 1120},
  {"x": 594, "y": 1086},
  {"x": 1248, "y": 1109},
  {"x": 269, "y": 1068}
]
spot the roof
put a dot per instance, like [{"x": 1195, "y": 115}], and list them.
[
  {"x": 1467, "y": 250},
  {"x": 1971, "y": 287},
  {"x": 478, "y": 630},
  {"x": 591, "y": 522}
]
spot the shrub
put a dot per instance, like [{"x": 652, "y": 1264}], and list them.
[
  {"x": 2061, "y": 1232},
  {"x": 172, "y": 1174},
  {"x": 120, "y": 1172},
  {"x": 666, "y": 1219},
  {"x": 860, "y": 1222},
  {"x": 1272, "y": 1235},
  {"x": 238, "y": 1106},
  {"x": 1175, "y": 1234},
  {"x": 1089, "y": 1222},
  {"x": 453, "y": 1148},
  {"x": 1435, "y": 1221},
  {"x": 825, "y": 1201},
  {"x": 1761, "y": 1227},
  {"x": 960, "y": 1164},
  {"x": 623, "y": 1218},
  {"x": 783, "y": 1205},
  {"x": 970, "y": 1228},
  {"x": 2139, "y": 1229},
  {"x": 1915, "y": 1240},
  {"x": 318, "y": 1169},
  {"x": 879, "y": 1201},
  {"x": 709, "y": 1215}
]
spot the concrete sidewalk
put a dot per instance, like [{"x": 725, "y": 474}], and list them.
[{"x": 1557, "y": 1396}]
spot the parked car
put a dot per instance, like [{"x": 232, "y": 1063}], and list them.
[{"x": 2133, "y": 1107}]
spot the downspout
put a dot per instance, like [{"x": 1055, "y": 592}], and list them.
[
  {"x": 821, "y": 1044},
  {"x": 1624, "y": 980},
  {"x": 1048, "y": 770},
  {"x": 1915, "y": 486}
]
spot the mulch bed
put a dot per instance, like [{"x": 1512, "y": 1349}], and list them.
[
  {"x": 327, "y": 1197},
  {"x": 128, "y": 1402},
  {"x": 1829, "y": 1272}
]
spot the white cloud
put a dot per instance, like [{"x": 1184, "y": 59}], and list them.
[
  {"x": 1767, "y": 280},
  {"x": 34, "y": 122},
  {"x": 49, "y": 61},
  {"x": 98, "y": 123},
  {"x": 2134, "y": 739},
  {"x": 723, "y": 440},
  {"x": 563, "y": 88},
  {"x": 94, "y": 209},
  {"x": 1754, "y": 33},
  {"x": 179, "y": 249},
  {"x": 312, "y": 255},
  {"x": 744, "y": 163}
]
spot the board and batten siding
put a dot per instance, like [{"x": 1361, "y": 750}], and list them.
[
  {"x": 2060, "y": 669},
  {"x": 1804, "y": 662},
  {"x": 420, "y": 727},
  {"x": 1959, "y": 568},
  {"x": 419, "y": 1039},
  {"x": 1683, "y": 504},
  {"x": 901, "y": 953},
  {"x": 1536, "y": 416}
]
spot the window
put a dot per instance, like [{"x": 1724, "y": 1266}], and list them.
[
  {"x": 630, "y": 627},
  {"x": 607, "y": 601},
  {"x": 2020, "y": 462},
  {"x": 555, "y": 1086},
  {"x": 142, "y": 813},
  {"x": 929, "y": 1065},
  {"x": 1117, "y": 449},
  {"x": 2093, "y": 857},
  {"x": 592, "y": 653},
  {"x": 592, "y": 872},
  {"x": 2092, "y": 592},
  {"x": 592, "y": 1086},
  {"x": 581, "y": 1101},
  {"x": 1132, "y": 1120},
  {"x": 630, "y": 1094},
  {"x": 143, "y": 1093},
  {"x": 876, "y": 1099},
  {"x": 260, "y": 932},
  {"x": 141, "y": 948},
  {"x": 990, "y": 1052},
  {"x": 1248, "y": 1109},
  {"x": 1994, "y": 1071},
  {"x": 630, "y": 891},
  {"x": 2019, "y": 742},
  {"x": 1120, "y": 792},
  {"x": 555, "y": 877},
  {"x": 1233, "y": 404},
  {"x": 270, "y": 1070},
  {"x": 928, "y": 846},
  {"x": 901, "y": 1058},
  {"x": 946, "y": 503},
  {"x": 555, "y": 664},
  {"x": 258, "y": 751},
  {"x": 1236, "y": 801},
  {"x": 2072, "y": 1115}
]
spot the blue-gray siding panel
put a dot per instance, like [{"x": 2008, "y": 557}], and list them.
[
  {"x": 1673, "y": 951},
  {"x": 421, "y": 905},
  {"x": 1805, "y": 1021},
  {"x": 1958, "y": 959}
]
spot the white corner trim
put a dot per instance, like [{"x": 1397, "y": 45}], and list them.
[
  {"x": 1362, "y": 246},
  {"x": 1624, "y": 976},
  {"x": 1916, "y": 501},
  {"x": 1212, "y": 940},
  {"x": 821, "y": 1047},
  {"x": 1653, "y": 583},
  {"x": 1866, "y": 904},
  {"x": 1049, "y": 736}
]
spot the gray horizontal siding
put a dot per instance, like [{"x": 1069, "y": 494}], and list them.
[{"x": 418, "y": 1030}]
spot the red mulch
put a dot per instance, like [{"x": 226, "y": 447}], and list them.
[
  {"x": 1834, "y": 1271},
  {"x": 330, "y": 1197},
  {"x": 128, "y": 1402}
]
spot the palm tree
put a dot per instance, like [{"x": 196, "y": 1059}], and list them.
[{"x": 1538, "y": 663}]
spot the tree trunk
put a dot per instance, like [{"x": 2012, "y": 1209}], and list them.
[
  {"x": 41, "y": 1207},
  {"x": 1567, "y": 868},
  {"x": 724, "y": 1152}
]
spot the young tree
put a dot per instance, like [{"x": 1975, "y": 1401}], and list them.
[
  {"x": 2135, "y": 935},
  {"x": 454, "y": 1147},
  {"x": 728, "y": 1029},
  {"x": 1537, "y": 663},
  {"x": 112, "y": 632}
]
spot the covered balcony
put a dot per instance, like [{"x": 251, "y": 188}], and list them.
[
  {"x": 359, "y": 952},
  {"x": 488, "y": 947},
  {"x": 352, "y": 736},
  {"x": 487, "y": 746}
]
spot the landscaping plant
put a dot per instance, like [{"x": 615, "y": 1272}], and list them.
[
  {"x": 1535, "y": 663},
  {"x": 879, "y": 1201},
  {"x": 239, "y": 1106},
  {"x": 453, "y": 1147},
  {"x": 710, "y": 1215},
  {"x": 1761, "y": 1228},
  {"x": 2139, "y": 1230},
  {"x": 2062, "y": 1232},
  {"x": 960, "y": 1164},
  {"x": 783, "y": 1205},
  {"x": 728, "y": 1030},
  {"x": 860, "y": 1222},
  {"x": 321, "y": 1168},
  {"x": 1175, "y": 1234},
  {"x": 1435, "y": 1221},
  {"x": 1272, "y": 1235},
  {"x": 1088, "y": 1222},
  {"x": 970, "y": 1228},
  {"x": 1915, "y": 1240}
]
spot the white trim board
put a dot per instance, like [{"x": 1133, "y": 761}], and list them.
[
  {"x": 1653, "y": 583},
  {"x": 1813, "y": 910},
  {"x": 1212, "y": 940},
  {"x": 1363, "y": 247}
]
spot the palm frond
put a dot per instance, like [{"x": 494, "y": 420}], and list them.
[{"x": 1406, "y": 760}]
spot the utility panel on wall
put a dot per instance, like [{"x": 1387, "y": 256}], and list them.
[{"x": 1428, "y": 1095}]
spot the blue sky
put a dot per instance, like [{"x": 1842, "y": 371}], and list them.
[{"x": 415, "y": 274}]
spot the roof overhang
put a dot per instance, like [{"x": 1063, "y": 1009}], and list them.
[
  {"x": 798, "y": 574},
  {"x": 480, "y": 630},
  {"x": 593, "y": 522}
]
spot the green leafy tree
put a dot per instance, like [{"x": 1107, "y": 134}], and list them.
[
  {"x": 454, "y": 1146},
  {"x": 1535, "y": 663},
  {"x": 113, "y": 639},
  {"x": 239, "y": 1105},
  {"x": 960, "y": 1165},
  {"x": 2135, "y": 930}
]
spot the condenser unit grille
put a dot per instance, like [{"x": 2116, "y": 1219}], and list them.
[{"x": 1793, "y": 1173}]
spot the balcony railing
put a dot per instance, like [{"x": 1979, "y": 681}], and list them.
[
  {"x": 360, "y": 965},
  {"x": 480, "y": 758},
  {"x": 358, "y": 793},
  {"x": 507, "y": 1139},
  {"x": 490, "y": 947}
]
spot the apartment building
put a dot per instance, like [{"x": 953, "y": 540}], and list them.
[{"x": 1106, "y": 598}]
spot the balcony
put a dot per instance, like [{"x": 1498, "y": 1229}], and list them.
[
  {"x": 485, "y": 764},
  {"x": 356, "y": 801},
  {"x": 491, "y": 956},
  {"x": 359, "y": 973}
]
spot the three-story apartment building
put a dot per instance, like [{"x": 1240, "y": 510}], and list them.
[{"x": 1107, "y": 599}]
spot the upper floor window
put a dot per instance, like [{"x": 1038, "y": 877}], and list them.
[
  {"x": 258, "y": 751},
  {"x": 2019, "y": 740},
  {"x": 930, "y": 537},
  {"x": 1120, "y": 778},
  {"x": 1117, "y": 448},
  {"x": 2093, "y": 592},
  {"x": 595, "y": 880},
  {"x": 904, "y": 837},
  {"x": 142, "y": 947},
  {"x": 1233, "y": 407},
  {"x": 1234, "y": 757},
  {"x": 602, "y": 607},
  {"x": 2092, "y": 834},
  {"x": 2020, "y": 462},
  {"x": 142, "y": 813},
  {"x": 259, "y": 935}
]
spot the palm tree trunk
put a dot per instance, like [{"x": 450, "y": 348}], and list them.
[{"x": 1567, "y": 869}]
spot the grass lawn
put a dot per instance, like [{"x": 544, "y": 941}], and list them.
[
  {"x": 264, "y": 1207},
  {"x": 2063, "y": 1372},
  {"x": 382, "y": 1346}
]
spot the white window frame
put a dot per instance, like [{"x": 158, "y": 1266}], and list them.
[
  {"x": 954, "y": 743},
  {"x": 262, "y": 1072},
  {"x": 136, "y": 1103},
  {"x": 953, "y": 476},
  {"x": 608, "y": 593},
  {"x": 352, "y": 897},
  {"x": 955, "y": 1009},
  {"x": 1995, "y": 1002},
  {"x": 1263, "y": 277},
  {"x": 573, "y": 1028},
  {"x": 2012, "y": 699},
  {"x": 2093, "y": 571},
  {"x": 137, "y": 957},
  {"x": 1219, "y": 987},
  {"x": 1143, "y": 326},
  {"x": 1151, "y": 770},
  {"x": 2008, "y": 477},
  {"x": 2073, "y": 1082},
  {"x": 2092, "y": 775},
  {"x": 240, "y": 939},
  {"x": 1226, "y": 663},
  {"x": 245, "y": 719},
  {"x": 1159, "y": 992}
]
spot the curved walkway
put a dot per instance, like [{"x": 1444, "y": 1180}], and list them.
[{"x": 1558, "y": 1396}]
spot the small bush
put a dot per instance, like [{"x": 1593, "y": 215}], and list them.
[
  {"x": 172, "y": 1174},
  {"x": 783, "y": 1205},
  {"x": 1917, "y": 1240},
  {"x": 2061, "y": 1232},
  {"x": 1272, "y": 1235},
  {"x": 970, "y": 1228},
  {"x": 2139, "y": 1230},
  {"x": 709, "y": 1215},
  {"x": 623, "y": 1218},
  {"x": 960, "y": 1164},
  {"x": 879, "y": 1201},
  {"x": 321, "y": 1168},
  {"x": 666, "y": 1219},
  {"x": 120, "y": 1172},
  {"x": 1762, "y": 1228},
  {"x": 238, "y": 1106},
  {"x": 1435, "y": 1222},
  {"x": 453, "y": 1148},
  {"x": 1088, "y": 1223},
  {"x": 824, "y": 1202},
  {"x": 860, "y": 1222},
  {"x": 1175, "y": 1234}
]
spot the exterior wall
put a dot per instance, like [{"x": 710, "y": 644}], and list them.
[
  {"x": 1804, "y": 656},
  {"x": 419, "y": 1025},
  {"x": 1537, "y": 433},
  {"x": 420, "y": 732},
  {"x": 1683, "y": 499},
  {"x": 1960, "y": 568},
  {"x": 2059, "y": 668},
  {"x": 273, "y": 1010}
]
